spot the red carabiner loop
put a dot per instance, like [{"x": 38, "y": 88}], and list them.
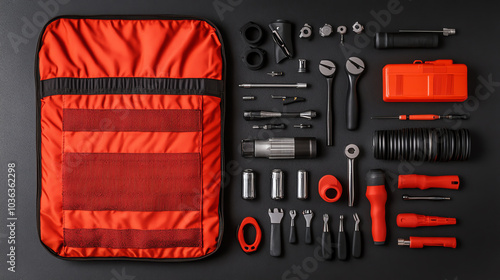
[{"x": 249, "y": 248}]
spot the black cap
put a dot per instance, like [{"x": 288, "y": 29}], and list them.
[
  {"x": 305, "y": 147},
  {"x": 247, "y": 148},
  {"x": 375, "y": 177}
]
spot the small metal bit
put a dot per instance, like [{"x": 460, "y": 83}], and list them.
[
  {"x": 308, "y": 215},
  {"x": 248, "y": 97},
  {"x": 342, "y": 241},
  {"x": 407, "y": 197},
  {"x": 356, "y": 238},
  {"x": 326, "y": 239},
  {"x": 445, "y": 31},
  {"x": 270, "y": 126},
  {"x": 302, "y": 125},
  {"x": 302, "y": 65},
  {"x": 287, "y": 100},
  {"x": 293, "y": 235},
  {"x": 342, "y": 30},
  {"x": 274, "y": 73}
]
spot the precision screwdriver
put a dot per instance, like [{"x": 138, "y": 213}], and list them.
[{"x": 429, "y": 117}]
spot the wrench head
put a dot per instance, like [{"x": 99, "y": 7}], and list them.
[
  {"x": 275, "y": 215},
  {"x": 351, "y": 151},
  {"x": 327, "y": 68},
  {"x": 293, "y": 213},
  {"x": 354, "y": 65}
]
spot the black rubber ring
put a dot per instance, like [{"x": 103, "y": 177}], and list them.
[
  {"x": 254, "y": 58},
  {"x": 245, "y": 34}
]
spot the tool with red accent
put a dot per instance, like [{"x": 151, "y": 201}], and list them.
[
  {"x": 411, "y": 220},
  {"x": 420, "y": 242},
  {"x": 377, "y": 195},
  {"x": 429, "y": 117},
  {"x": 425, "y": 182},
  {"x": 249, "y": 248}
]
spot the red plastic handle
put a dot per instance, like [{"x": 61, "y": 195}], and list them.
[
  {"x": 420, "y": 242},
  {"x": 377, "y": 195},
  {"x": 425, "y": 182},
  {"x": 249, "y": 248},
  {"x": 411, "y": 220},
  {"x": 419, "y": 117}
]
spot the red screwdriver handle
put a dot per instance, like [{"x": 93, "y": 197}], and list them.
[
  {"x": 425, "y": 182},
  {"x": 420, "y": 242},
  {"x": 411, "y": 220},
  {"x": 418, "y": 117},
  {"x": 377, "y": 195}
]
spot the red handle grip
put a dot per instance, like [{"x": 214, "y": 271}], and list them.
[
  {"x": 425, "y": 182},
  {"x": 377, "y": 195},
  {"x": 420, "y": 242},
  {"x": 411, "y": 220},
  {"x": 418, "y": 117}
]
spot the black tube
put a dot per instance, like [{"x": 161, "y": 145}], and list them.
[{"x": 384, "y": 40}]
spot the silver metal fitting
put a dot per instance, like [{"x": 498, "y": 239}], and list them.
[
  {"x": 302, "y": 65},
  {"x": 357, "y": 28},
  {"x": 326, "y": 30},
  {"x": 305, "y": 31}
]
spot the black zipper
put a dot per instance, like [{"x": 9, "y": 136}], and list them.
[{"x": 38, "y": 128}]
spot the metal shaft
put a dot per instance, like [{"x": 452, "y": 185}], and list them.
[
  {"x": 406, "y": 197},
  {"x": 296, "y": 85},
  {"x": 351, "y": 182}
]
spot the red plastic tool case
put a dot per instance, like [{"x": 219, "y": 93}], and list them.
[
  {"x": 130, "y": 155},
  {"x": 432, "y": 81}
]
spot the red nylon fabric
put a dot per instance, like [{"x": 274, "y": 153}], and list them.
[{"x": 147, "y": 186}]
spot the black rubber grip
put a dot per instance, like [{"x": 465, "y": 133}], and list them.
[
  {"x": 375, "y": 177},
  {"x": 329, "y": 113},
  {"x": 356, "y": 244},
  {"x": 275, "y": 248},
  {"x": 342, "y": 246},
  {"x": 308, "y": 235},
  {"x": 293, "y": 235},
  {"x": 352, "y": 109},
  {"x": 385, "y": 40},
  {"x": 326, "y": 246}
]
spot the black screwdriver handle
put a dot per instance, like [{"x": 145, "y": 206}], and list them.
[
  {"x": 308, "y": 235},
  {"x": 356, "y": 244},
  {"x": 326, "y": 245},
  {"x": 352, "y": 109},
  {"x": 329, "y": 113},
  {"x": 275, "y": 248},
  {"x": 385, "y": 40},
  {"x": 293, "y": 235},
  {"x": 342, "y": 246}
]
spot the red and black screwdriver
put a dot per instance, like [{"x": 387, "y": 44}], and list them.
[{"x": 429, "y": 117}]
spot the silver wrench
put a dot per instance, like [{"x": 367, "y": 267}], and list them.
[
  {"x": 275, "y": 215},
  {"x": 308, "y": 215},
  {"x": 293, "y": 235},
  {"x": 351, "y": 152}
]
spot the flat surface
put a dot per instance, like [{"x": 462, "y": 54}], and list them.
[{"x": 475, "y": 205}]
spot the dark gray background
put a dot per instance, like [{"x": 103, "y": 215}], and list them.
[{"x": 475, "y": 205}]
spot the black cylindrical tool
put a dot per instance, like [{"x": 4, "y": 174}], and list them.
[{"x": 388, "y": 40}]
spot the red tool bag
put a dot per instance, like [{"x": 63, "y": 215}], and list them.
[{"x": 130, "y": 154}]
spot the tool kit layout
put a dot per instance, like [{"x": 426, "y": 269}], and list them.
[
  {"x": 410, "y": 81},
  {"x": 130, "y": 138}
]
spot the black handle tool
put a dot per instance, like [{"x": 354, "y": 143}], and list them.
[
  {"x": 326, "y": 240},
  {"x": 275, "y": 215},
  {"x": 354, "y": 67},
  {"x": 327, "y": 69},
  {"x": 293, "y": 232},
  {"x": 356, "y": 238},
  {"x": 308, "y": 215},
  {"x": 342, "y": 241}
]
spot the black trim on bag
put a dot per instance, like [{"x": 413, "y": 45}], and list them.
[
  {"x": 38, "y": 130},
  {"x": 193, "y": 86}
]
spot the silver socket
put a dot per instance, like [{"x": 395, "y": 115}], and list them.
[
  {"x": 248, "y": 184},
  {"x": 277, "y": 191},
  {"x": 302, "y": 65},
  {"x": 302, "y": 184}
]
